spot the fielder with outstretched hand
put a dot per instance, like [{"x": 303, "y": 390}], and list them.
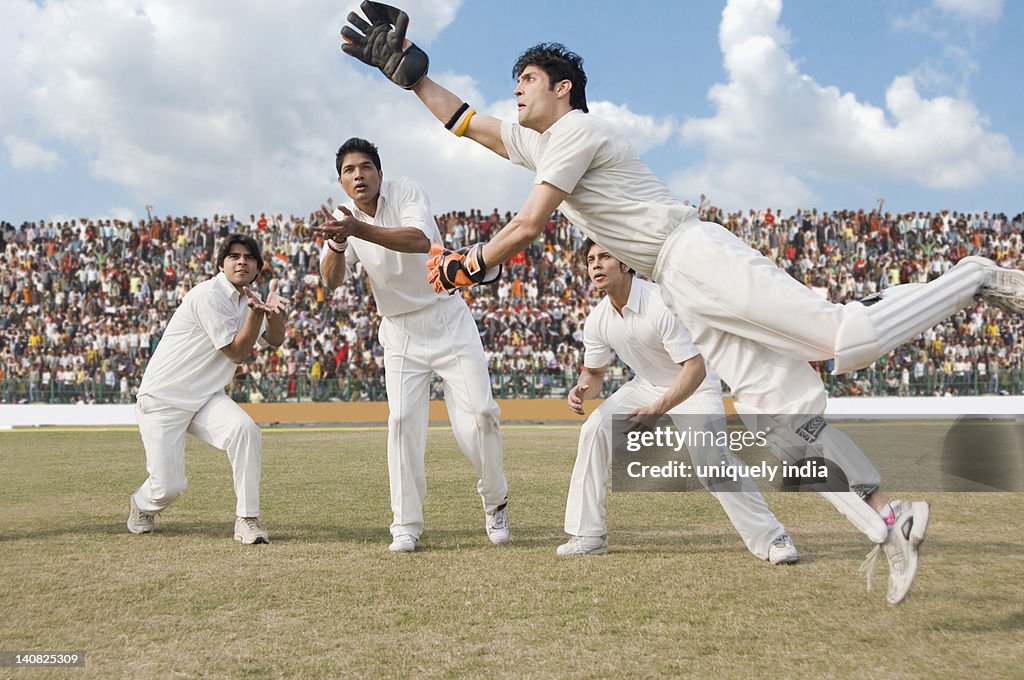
[
  {"x": 388, "y": 226},
  {"x": 214, "y": 329}
]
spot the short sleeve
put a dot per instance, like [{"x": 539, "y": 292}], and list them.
[
  {"x": 216, "y": 317},
  {"x": 569, "y": 153},
  {"x": 414, "y": 208},
  {"x": 597, "y": 353},
  {"x": 674, "y": 334},
  {"x": 522, "y": 144}
]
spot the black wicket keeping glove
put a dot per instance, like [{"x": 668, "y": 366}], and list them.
[{"x": 381, "y": 43}]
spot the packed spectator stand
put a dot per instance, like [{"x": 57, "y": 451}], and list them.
[{"x": 84, "y": 302}]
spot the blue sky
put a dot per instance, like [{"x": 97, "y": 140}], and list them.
[{"x": 199, "y": 108}]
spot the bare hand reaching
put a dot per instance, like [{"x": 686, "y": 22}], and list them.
[
  {"x": 338, "y": 230},
  {"x": 274, "y": 304},
  {"x": 643, "y": 418},
  {"x": 576, "y": 396}
]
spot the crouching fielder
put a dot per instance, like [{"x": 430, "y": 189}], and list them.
[
  {"x": 214, "y": 329},
  {"x": 671, "y": 377}
]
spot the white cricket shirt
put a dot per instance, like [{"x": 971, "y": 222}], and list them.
[
  {"x": 648, "y": 337},
  {"x": 614, "y": 198},
  {"x": 188, "y": 367},
  {"x": 398, "y": 280}
]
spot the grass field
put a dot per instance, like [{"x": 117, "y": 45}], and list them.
[{"x": 678, "y": 596}]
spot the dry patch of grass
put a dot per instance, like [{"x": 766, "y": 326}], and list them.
[{"x": 678, "y": 595}]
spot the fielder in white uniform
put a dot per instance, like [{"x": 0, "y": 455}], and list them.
[
  {"x": 388, "y": 226},
  {"x": 212, "y": 331},
  {"x": 755, "y": 324},
  {"x": 671, "y": 378}
]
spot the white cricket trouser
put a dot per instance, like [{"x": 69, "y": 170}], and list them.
[
  {"x": 441, "y": 338},
  {"x": 759, "y": 327},
  {"x": 584, "y": 509},
  {"x": 221, "y": 423}
]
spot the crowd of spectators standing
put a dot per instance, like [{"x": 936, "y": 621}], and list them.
[{"x": 84, "y": 302}]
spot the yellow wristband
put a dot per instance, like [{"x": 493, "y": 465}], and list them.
[{"x": 463, "y": 125}]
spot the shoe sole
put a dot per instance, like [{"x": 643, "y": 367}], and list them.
[
  {"x": 258, "y": 541},
  {"x": 922, "y": 512},
  {"x": 920, "y": 528},
  {"x": 786, "y": 560},
  {"x": 595, "y": 551},
  {"x": 137, "y": 531},
  {"x": 403, "y": 549},
  {"x": 998, "y": 293}
]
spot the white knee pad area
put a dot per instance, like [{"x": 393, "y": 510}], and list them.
[{"x": 793, "y": 441}]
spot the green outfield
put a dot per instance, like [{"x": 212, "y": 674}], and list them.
[{"x": 678, "y": 596}]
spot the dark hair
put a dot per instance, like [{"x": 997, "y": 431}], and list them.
[
  {"x": 357, "y": 145},
  {"x": 590, "y": 243},
  {"x": 250, "y": 244},
  {"x": 560, "y": 64}
]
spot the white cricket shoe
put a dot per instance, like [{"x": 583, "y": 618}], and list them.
[
  {"x": 403, "y": 543},
  {"x": 584, "y": 545},
  {"x": 498, "y": 528},
  {"x": 1003, "y": 287},
  {"x": 782, "y": 550},
  {"x": 901, "y": 547},
  {"x": 140, "y": 522},
  {"x": 249, "y": 531}
]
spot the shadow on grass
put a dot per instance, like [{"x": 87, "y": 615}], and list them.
[
  {"x": 322, "y": 532},
  {"x": 336, "y": 532},
  {"x": 465, "y": 537},
  {"x": 813, "y": 546},
  {"x": 1012, "y": 623},
  {"x": 214, "y": 529},
  {"x": 65, "y": 531},
  {"x": 725, "y": 544},
  {"x": 970, "y": 549}
]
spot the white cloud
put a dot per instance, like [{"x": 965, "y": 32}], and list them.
[
  {"x": 227, "y": 106},
  {"x": 122, "y": 213},
  {"x": 739, "y": 185},
  {"x": 977, "y": 10},
  {"x": 776, "y": 130},
  {"x": 950, "y": 22},
  {"x": 25, "y": 154},
  {"x": 643, "y": 131},
  {"x": 238, "y": 106},
  {"x": 952, "y": 72}
]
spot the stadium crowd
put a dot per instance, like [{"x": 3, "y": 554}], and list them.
[{"x": 84, "y": 302}]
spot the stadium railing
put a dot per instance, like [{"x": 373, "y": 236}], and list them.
[{"x": 506, "y": 385}]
